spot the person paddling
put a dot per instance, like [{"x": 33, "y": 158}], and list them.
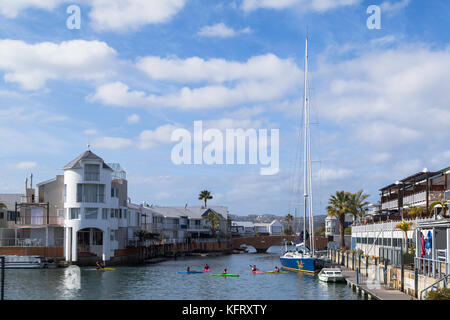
[
  {"x": 100, "y": 266},
  {"x": 206, "y": 268},
  {"x": 276, "y": 269},
  {"x": 188, "y": 269},
  {"x": 224, "y": 271},
  {"x": 254, "y": 268}
]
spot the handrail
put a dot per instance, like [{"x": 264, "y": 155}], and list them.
[{"x": 442, "y": 279}]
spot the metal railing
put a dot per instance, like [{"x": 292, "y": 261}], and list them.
[
  {"x": 28, "y": 242},
  {"x": 435, "y": 285},
  {"x": 432, "y": 268}
]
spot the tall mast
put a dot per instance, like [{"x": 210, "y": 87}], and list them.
[{"x": 306, "y": 136}]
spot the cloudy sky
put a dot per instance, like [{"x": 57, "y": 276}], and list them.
[{"x": 136, "y": 70}]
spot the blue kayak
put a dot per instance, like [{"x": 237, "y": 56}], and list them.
[{"x": 193, "y": 271}]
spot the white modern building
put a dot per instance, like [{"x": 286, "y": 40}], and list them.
[{"x": 247, "y": 228}]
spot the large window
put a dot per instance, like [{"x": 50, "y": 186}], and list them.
[
  {"x": 97, "y": 238},
  {"x": 114, "y": 235},
  {"x": 92, "y": 172},
  {"x": 90, "y": 213},
  {"x": 65, "y": 193},
  {"x": 74, "y": 213},
  {"x": 94, "y": 193}
]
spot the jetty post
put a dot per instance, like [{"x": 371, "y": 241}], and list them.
[{"x": 2, "y": 289}]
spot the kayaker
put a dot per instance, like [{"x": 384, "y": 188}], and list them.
[
  {"x": 254, "y": 268},
  {"x": 188, "y": 269},
  {"x": 100, "y": 266},
  {"x": 224, "y": 271},
  {"x": 276, "y": 269},
  {"x": 206, "y": 268}
]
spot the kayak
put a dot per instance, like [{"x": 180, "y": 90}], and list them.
[
  {"x": 193, "y": 271},
  {"x": 225, "y": 275},
  {"x": 206, "y": 270},
  {"x": 276, "y": 272},
  {"x": 257, "y": 271},
  {"x": 102, "y": 269}
]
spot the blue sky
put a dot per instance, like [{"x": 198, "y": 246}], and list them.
[{"x": 131, "y": 75}]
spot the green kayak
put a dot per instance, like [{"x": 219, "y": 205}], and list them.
[{"x": 225, "y": 275}]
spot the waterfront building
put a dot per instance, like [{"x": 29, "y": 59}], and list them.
[
  {"x": 385, "y": 241},
  {"x": 178, "y": 224},
  {"x": 242, "y": 228},
  {"x": 272, "y": 228}
]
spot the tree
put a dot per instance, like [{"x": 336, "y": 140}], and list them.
[
  {"x": 440, "y": 204},
  {"x": 405, "y": 227},
  {"x": 289, "y": 218},
  {"x": 214, "y": 220},
  {"x": 339, "y": 206},
  {"x": 357, "y": 204},
  {"x": 414, "y": 211},
  {"x": 288, "y": 231},
  {"x": 205, "y": 195},
  {"x": 2, "y": 205},
  {"x": 320, "y": 230}
]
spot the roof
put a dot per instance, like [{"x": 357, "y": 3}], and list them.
[
  {"x": 10, "y": 199},
  {"x": 191, "y": 212},
  {"x": 245, "y": 224},
  {"x": 419, "y": 176},
  {"x": 87, "y": 155}
]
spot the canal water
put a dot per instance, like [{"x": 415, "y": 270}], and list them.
[{"x": 161, "y": 281}]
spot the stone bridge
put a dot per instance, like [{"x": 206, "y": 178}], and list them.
[{"x": 262, "y": 243}]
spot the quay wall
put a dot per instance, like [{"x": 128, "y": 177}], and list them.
[
  {"x": 377, "y": 274},
  {"x": 48, "y": 252}
]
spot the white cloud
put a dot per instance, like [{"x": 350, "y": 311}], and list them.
[
  {"x": 306, "y": 5},
  {"x": 11, "y": 8},
  {"x": 90, "y": 132},
  {"x": 394, "y": 7},
  {"x": 112, "y": 143},
  {"x": 26, "y": 165},
  {"x": 225, "y": 83},
  {"x": 125, "y": 15},
  {"x": 107, "y": 15},
  {"x": 133, "y": 118},
  {"x": 31, "y": 65},
  {"x": 222, "y": 31}
]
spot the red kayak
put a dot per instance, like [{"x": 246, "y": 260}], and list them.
[
  {"x": 257, "y": 271},
  {"x": 206, "y": 270}
]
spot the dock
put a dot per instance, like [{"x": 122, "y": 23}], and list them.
[{"x": 373, "y": 293}]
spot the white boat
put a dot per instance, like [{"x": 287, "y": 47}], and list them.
[
  {"x": 23, "y": 262},
  {"x": 331, "y": 275}
]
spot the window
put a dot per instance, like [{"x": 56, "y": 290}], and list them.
[
  {"x": 60, "y": 212},
  {"x": 65, "y": 194},
  {"x": 113, "y": 193},
  {"x": 97, "y": 238},
  {"x": 2, "y": 216},
  {"x": 114, "y": 235},
  {"x": 90, "y": 213},
  {"x": 112, "y": 213},
  {"x": 92, "y": 172},
  {"x": 120, "y": 213},
  {"x": 74, "y": 213},
  {"x": 104, "y": 214},
  {"x": 94, "y": 193},
  {"x": 125, "y": 213}
]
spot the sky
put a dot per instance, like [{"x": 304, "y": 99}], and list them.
[{"x": 133, "y": 71}]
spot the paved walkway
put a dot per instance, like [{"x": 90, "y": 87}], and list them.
[{"x": 379, "y": 293}]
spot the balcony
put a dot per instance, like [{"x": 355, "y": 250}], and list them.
[{"x": 40, "y": 220}]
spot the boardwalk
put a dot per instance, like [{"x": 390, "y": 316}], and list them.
[{"x": 373, "y": 292}]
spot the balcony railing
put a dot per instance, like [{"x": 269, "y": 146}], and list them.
[{"x": 40, "y": 220}]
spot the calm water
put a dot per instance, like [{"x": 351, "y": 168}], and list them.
[{"x": 161, "y": 281}]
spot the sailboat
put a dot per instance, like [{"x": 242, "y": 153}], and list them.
[{"x": 304, "y": 258}]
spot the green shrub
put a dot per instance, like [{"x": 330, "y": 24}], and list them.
[{"x": 439, "y": 294}]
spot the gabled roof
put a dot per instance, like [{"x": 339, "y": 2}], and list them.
[
  {"x": 87, "y": 155},
  {"x": 191, "y": 212}
]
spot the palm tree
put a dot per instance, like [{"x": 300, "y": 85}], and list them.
[
  {"x": 440, "y": 204},
  {"x": 214, "y": 219},
  {"x": 357, "y": 204},
  {"x": 339, "y": 206},
  {"x": 205, "y": 195},
  {"x": 414, "y": 211},
  {"x": 289, "y": 218},
  {"x": 405, "y": 227}
]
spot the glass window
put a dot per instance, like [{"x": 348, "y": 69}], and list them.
[
  {"x": 101, "y": 193},
  {"x": 61, "y": 213},
  {"x": 79, "y": 192},
  {"x": 120, "y": 213},
  {"x": 92, "y": 172},
  {"x": 104, "y": 213},
  {"x": 90, "y": 213},
  {"x": 65, "y": 193},
  {"x": 90, "y": 193},
  {"x": 97, "y": 238},
  {"x": 74, "y": 213}
]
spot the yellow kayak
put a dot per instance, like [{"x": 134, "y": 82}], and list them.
[{"x": 102, "y": 269}]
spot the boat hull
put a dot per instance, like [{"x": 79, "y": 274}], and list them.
[{"x": 307, "y": 264}]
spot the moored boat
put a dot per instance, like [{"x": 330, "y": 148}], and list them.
[
  {"x": 24, "y": 262},
  {"x": 331, "y": 275}
]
